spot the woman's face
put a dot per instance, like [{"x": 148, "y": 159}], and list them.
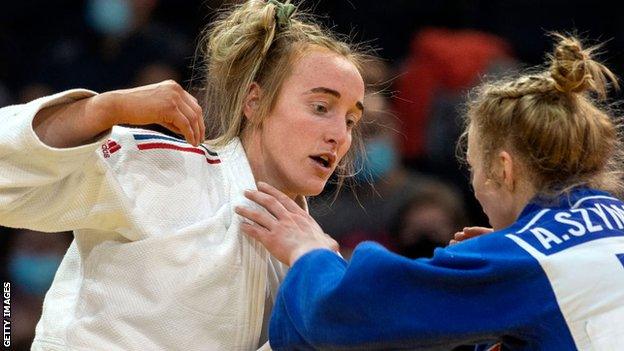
[
  {"x": 497, "y": 203},
  {"x": 309, "y": 129}
]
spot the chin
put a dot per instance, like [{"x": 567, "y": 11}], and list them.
[
  {"x": 311, "y": 188},
  {"x": 313, "y": 191}
]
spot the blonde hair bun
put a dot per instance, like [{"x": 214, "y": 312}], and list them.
[
  {"x": 552, "y": 123},
  {"x": 574, "y": 70}
]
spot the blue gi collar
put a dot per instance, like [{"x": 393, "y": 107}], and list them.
[{"x": 564, "y": 201}]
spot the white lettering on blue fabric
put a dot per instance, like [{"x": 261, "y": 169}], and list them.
[
  {"x": 600, "y": 213},
  {"x": 563, "y": 217},
  {"x": 617, "y": 215},
  {"x": 568, "y": 225},
  {"x": 545, "y": 237},
  {"x": 588, "y": 223}
]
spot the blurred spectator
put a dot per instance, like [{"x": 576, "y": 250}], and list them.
[
  {"x": 119, "y": 39},
  {"x": 156, "y": 72},
  {"x": 428, "y": 219},
  {"x": 433, "y": 81},
  {"x": 442, "y": 63}
]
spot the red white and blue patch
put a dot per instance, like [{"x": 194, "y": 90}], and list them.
[{"x": 154, "y": 141}]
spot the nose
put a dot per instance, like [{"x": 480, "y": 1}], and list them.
[{"x": 336, "y": 132}]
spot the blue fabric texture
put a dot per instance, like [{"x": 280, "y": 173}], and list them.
[{"x": 484, "y": 290}]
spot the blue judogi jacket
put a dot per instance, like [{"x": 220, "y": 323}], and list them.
[{"x": 554, "y": 280}]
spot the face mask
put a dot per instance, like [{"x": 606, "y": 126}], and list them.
[
  {"x": 381, "y": 159},
  {"x": 424, "y": 247},
  {"x": 111, "y": 17},
  {"x": 33, "y": 273}
]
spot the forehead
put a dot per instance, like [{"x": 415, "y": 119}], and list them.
[{"x": 322, "y": 68}]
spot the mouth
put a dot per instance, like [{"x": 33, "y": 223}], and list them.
[{"x": 326, "y": 161}]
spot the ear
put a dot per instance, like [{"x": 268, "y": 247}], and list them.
[
  {"x": 506, "y": 164},
  {"x": 252, "y": 101}
]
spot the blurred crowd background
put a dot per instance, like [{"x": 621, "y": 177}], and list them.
[{"x": 411, "y": 194}]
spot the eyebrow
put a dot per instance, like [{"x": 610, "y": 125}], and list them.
[{"x": 323, "y": 90}]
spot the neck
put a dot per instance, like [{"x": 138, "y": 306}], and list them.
[
  {"x": 524, "y": 193},
  {"x": 251, "y": 141}
]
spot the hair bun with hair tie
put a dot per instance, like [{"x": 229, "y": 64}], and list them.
[
  {"x": 574, "y": 70},
  {"x": 569, "y": 66},
  {"x": 283, "y": 12}
]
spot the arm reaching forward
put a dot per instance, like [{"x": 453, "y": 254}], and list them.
[{"x": 80, "y": 122}]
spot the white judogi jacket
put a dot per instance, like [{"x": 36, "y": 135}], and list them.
[{"x": 158, "y": 262}]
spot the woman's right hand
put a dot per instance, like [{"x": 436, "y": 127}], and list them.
[
  {"x": 286, "y": 230},
  {"x": 469, "y": 232},
  {"x": 165, "y": 103}
]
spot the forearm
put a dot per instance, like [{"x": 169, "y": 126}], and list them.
[
  {"x": 293, "y": 321},
  {"x": 384, "y": 301},
  {"x": 165, "y": 103},
  {"x": 75, "y": 123},
  {"x": 42, "y": 187}
]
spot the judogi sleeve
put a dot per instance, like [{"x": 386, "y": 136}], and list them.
[
  {"x": 465, "y": 294},
  {"x": 52, "y": 189}
]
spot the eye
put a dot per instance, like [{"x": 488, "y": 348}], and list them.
[
  {"x": 319, "y": 108},
  {"x": 351, "y": 122}
]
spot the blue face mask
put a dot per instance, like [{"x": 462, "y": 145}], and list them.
[
  {"x": 111, "y": 17},
  {"x": 381, "y": 159},
  {"x": 33, "y": 273}
]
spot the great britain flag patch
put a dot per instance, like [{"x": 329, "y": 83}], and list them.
[{"x": 151, "y": 141}]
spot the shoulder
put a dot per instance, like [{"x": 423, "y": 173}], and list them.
[
  {"x": 144, "y": 145},
  {"x": 148, "y": 162},
  {"x": 577, "y": 221},
  {"x": 170, "y": 182},
  {"x": 159, "y": 171}
]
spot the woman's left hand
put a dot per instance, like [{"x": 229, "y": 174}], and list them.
[
  {"x": 469, "y": 232},
  {"x": 286, "y": 230}
]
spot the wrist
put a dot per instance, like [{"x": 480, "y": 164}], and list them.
[
  {"x": 300, "y": 252},
  {"x": 101, "y": 110},
  {"x": 295, "y": 255}
]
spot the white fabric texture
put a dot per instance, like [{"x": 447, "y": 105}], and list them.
[{"x": 158, "y": 261}]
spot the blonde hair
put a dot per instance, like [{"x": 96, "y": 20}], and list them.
[
  {"x": 248, "y": 44},
  {"x": 553, "y": 120}
]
